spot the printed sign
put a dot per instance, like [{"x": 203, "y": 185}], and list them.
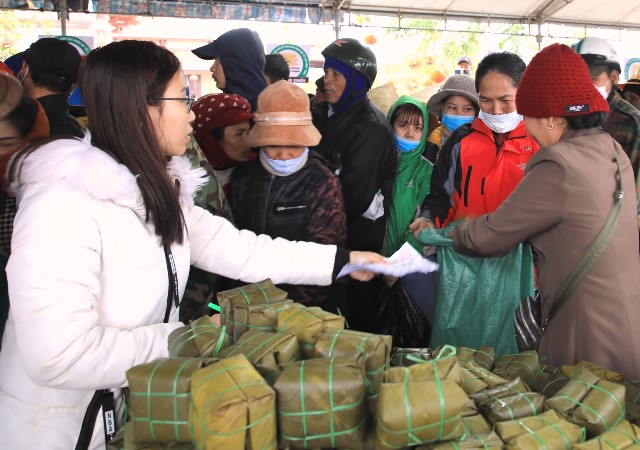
[
  {"x": 631, "y": 68},
  {"x": 79, "y": 43},
  {"x": 297, "y": 57}
]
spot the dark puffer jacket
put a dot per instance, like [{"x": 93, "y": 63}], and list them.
[
  {"x": 304, "y": 206},
  {"x": 359, "y": 143}
]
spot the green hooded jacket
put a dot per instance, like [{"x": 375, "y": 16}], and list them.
[{"x": 413, "y": 178}]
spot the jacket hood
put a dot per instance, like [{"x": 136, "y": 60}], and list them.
[
  {"x": 242, "y": 58},
  {"x": 78, "y": 166},
  {"x": 405, "y": 99}
]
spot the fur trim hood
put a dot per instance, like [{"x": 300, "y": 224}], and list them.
[{"x": 78, "y": 166}]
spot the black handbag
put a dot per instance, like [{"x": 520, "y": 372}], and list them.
[{"x": 529, "y": 326}]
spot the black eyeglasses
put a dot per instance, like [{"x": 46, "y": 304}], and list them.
[{"x": 189, "y": 100}]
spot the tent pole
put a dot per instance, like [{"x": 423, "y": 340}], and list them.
[
  {"x": 64, "y": 15},
  {"x": 539, "y": 36}
]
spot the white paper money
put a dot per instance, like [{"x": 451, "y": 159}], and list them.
[{"x": 405, "y": 261}]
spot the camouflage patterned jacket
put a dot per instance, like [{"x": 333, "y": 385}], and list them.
[{"x": 211, "y": 197}]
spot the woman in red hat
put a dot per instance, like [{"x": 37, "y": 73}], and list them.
[
  {"x": 221, "y": 127},
  {"x": 566, "y": 196}
]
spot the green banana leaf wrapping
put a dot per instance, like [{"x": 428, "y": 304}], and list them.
[
  {"x": 322, "y": 403},
  {"x": 201, "y": 338},
  {"x": 376, "y": 350},
  {"x": 470, "y": 409},
  {"x": 632, "y": 401},
  {"x": 160, "y": 396},
  {"x": 561, "y": 435},
  {"x": 445, "y": 368},
  {"x": 471, "y": 383},
  {"x": 482, "y": 374},
  {"x": 414, "y": 413},
  {"x": 588, "y": 401},
  {"x": 399, "y": 356},
  {"x": 632, "y": 391},
  {"x": 233, "y": 408},
  {"x": 525, "y": 366},
  {"x": 259, "y": 317},
  {"x": 549, "y": 384},
  {"x": 476, "y": 424},
  {"x": 545, "y": 376},
  {"x": 307, "y": 324},
  {"x": 624, "y": 436},
  {"x": 483, "y": 356},
  {"x": 633, "y": 413},
  {"x": 268, "y": 352},
  {"x": 123, "y": 440},
  {"x": 251, "y": 294},
  {"x": 490, "y": 441},
  {"x": 510, "y": 429},
  {"x": 509, "y": 401},
  {"x": 595, "y": 369}
]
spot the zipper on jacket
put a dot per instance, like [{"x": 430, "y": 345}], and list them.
[
  {"x": 466, "y": 186},
  {"x": 266, "y": 205},
  {"x": 286, "y": 208},
  {"x": 482, "y": 186}
]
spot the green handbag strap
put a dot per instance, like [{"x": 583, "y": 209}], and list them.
[{"x": 594, "y": 252}]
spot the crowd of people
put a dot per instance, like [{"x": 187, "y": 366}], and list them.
[{"x": 107, "y": 227}]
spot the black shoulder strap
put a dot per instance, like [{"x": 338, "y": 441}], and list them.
[
  {"x": 173, "y": 293},
  {"x": 102, "y": 398},
  {"x": 595, "y": 250}
]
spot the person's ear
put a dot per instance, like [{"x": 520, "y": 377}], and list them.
[{"x": 615, "y": 77}]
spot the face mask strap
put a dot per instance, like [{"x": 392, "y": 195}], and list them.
[{"x": 24, "y": 76}]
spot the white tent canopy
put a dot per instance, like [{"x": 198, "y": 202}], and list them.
[{"x": 591, "y": 13}]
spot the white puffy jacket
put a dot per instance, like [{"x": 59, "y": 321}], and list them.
[{"x": 88, "y": 286}]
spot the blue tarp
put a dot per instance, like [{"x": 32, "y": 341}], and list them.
[{"x": 254, "y": 10}]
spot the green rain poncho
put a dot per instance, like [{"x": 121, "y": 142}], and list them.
[{"x": 413, "y": 177}]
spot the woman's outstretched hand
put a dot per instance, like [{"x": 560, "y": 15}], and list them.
[{"x": 358, "y": 257}]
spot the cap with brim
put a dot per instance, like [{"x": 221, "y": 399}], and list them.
[
  {"x": 283, "y": 128},
  {"x": 632, "y": 86},
  {"x": 54, "y": 59},
  {"x": 462, "y": 85},
  {"x": 209, "y": 51},
  {"x": 597, "y": 69},
  {"x": 10, "y": 93},
  {"x": 14, "y": 62},
  {"x": 464, "y": 59}
]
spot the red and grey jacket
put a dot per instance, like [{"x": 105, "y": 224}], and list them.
[{"x": 476, "y": 171}]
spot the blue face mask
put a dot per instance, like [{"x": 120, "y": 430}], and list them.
[
  {"x": 405, "y": 145},
  {"x": 285, "y": 167},
  {"x": 451, "y": 121}
]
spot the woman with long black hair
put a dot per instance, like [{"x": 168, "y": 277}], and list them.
[{"x": 104, "y": 236}]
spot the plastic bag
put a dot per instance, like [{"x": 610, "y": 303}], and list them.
[
  {"x": 477, "y": 297},
  {"x": 401, "y": 318}
]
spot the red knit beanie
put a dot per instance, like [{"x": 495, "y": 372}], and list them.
[
  {"x": 557, "y": 83},
  {"x": 215, "y": 111}
]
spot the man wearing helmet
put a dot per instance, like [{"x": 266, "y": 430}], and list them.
[
  {"x": 357, "y": 141},
  {"x": 623, "y": 120}
]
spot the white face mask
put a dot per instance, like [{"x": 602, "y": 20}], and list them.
[
  {"x": 603, "y": 90},
  {"x": 501, "y": 123}
]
